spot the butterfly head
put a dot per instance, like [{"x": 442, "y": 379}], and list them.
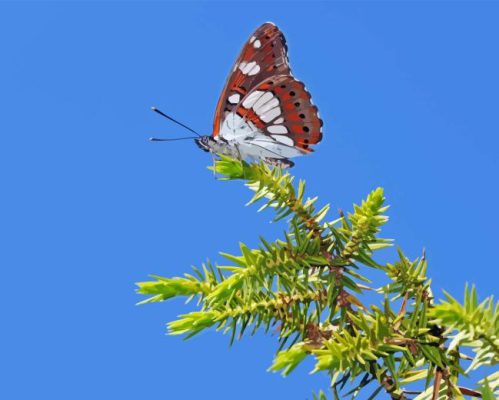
[{"x": 205, "y": 142}]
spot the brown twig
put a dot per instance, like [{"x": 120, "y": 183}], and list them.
[
  {"x": 436, "y": 384},
  {"x": 401, "y": 313},
  {"x": 469, "y": 392}
]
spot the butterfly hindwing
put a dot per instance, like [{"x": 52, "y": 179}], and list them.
[{"x": 281, "y": 108}]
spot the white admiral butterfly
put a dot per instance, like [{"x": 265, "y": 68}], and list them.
[{"x": 264, "y": 113}]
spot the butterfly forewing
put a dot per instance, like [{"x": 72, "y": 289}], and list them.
[{"x": 264, "y": 55}]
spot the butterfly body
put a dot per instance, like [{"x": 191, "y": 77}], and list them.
[{"x": 241, "y": 139}]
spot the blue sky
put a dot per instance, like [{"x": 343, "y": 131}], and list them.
[{"x": 409, "y": 96}]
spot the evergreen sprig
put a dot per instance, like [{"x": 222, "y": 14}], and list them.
[
  {"x": 309, "y": 288},
  {"x": 476, "y": 325}
]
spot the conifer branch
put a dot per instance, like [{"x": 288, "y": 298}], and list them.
[{"x": 309, "y": 287}]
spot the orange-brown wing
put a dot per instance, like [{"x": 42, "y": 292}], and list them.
[
  {"x": 264, "y": 55},
  {"x": 282, "y": 108}
]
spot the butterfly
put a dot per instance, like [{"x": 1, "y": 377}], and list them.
[{"x": 263, "y": 113}]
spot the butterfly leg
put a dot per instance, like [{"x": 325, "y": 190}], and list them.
[
  {"x": 240, "y": 158},
  {"x": 214, "y": 163},
  {"x": 279, "y": 162}
]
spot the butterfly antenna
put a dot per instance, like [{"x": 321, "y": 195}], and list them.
[
  {"x": 155, "y": 139},
  {"x": 174, "y": 120}
]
